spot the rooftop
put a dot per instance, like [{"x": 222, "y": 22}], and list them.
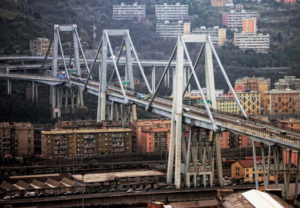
[
  {"x": 87, "y": 131},
  {"x": 102, "y": 177}
]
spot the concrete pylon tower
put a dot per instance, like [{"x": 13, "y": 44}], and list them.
[{"x": 203, "y": 143}]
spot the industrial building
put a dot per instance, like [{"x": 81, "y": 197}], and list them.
[
  {"x": 256, "y": 41},
  {"x": 40, "y": 47},
  {"x": 172, "y": 29},
  {"x": 17, "y": 139},
  {"x": 119, "y": 180},
  {"x": 128, "y": 12},
  {"x": 171, "y": 12},
  {"x": 217, "y": 35}
]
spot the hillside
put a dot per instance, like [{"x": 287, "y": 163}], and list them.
[{"x": 20, "y": 22}]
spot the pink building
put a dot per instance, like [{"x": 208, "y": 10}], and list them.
[
  {"x": 225, "y": 19},
  {"x": 294, "y": 157}
]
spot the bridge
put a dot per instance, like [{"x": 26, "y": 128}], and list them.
[{"x": 190, "y": 160}]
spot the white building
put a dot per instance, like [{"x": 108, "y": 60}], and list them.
[
  {"x": 121, "y": 12},
  {"x": 218, "y": 93},
  {"x": 172, "y": 29},
  {"x": 257, "y": 41},
  {"x": 217, "y": 35},
  {"x": 234, "y": 19},
  {"x": 171, "y": 12}
]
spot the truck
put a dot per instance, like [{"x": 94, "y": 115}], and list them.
[
  {"x": 28, "y": 194},
  {"x": 140, "y": 96}
]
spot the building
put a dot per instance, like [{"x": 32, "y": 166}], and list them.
[
  {"x": 253, "y": 198},
  {"x": 260, "y": 84},
  {"x": 287, "y": 1},
  {"x": 128, "y": 12},
  {"x": 17, "y": 139},
  {"x": 227, "y": 104},
  {"x": 169, "y": 29},
  {"x": 40, "y": 47},
  {"x": 218, "y": 3},
  {"x": 249, "y": 25},
  {"x": 217, "y": 35},
  {"x": 289, "y": 123},
  {"x": 288, "y": 82},
  {"x": 250, "y": 101},
  {"x": 195, "y": 94},
  {"x": 86, "y": 142},
  {"x": 281, "y": 103},
  {"x": 256, "y": 41},
  {"x": 151, "y": 135},
  {"x": 126, "y": 179},
  {"x": 234, "y": 19},
  {"x": 171, "y": 12}
]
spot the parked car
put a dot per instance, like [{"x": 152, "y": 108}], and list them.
[
  {"x": 139, "y": 189},
  {"x": 41, "y": 195},
  {"x": 124, "y": 189},
  {"x": 130, "y": 190},
  {"x": 169, "y": 187},
  {"x": 103, "y": 191},
  {"x": 7, "y": 197}
]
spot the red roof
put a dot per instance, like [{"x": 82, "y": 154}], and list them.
[{"x": 246, "y": 163}]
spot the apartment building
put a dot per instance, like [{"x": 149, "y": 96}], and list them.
[
  {"x": 128, "y": 12},
  {"x": 40, "y": 47},
  {"x": 195, "y": 94},
  {"x": 86, "y": 142},
  {"x": 281, "y": 103},
  {"x": 292, "y": 123},
  {"x": 250, "y": 101},
  {"x": 218, "y": 3},
  {"x": 288, "y": 82},
  {"x": 259, "y": 84},
  {"x": 256, "y": 41},
  {"x": 169, "y": 29},
  {"x": 234, "y": 18},
  {"x": 227, "y": 104},
  {"x": 217, "y": 35},
  {"x": 16, "y": 139},
  {"x": 151, "y": 135},
  {"x": 171, "y": 12},
  {"x": 249, "y": 25}
]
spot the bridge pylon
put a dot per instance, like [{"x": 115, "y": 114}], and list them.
[{"x": 178, "y": 165}]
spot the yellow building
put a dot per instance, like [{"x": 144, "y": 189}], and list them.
[
  {"x": 259, "y": 84},
  {"x": 227, "y": 104},
  {"x": 250, "y": 100},
  {"x": 244, "y": 169}
]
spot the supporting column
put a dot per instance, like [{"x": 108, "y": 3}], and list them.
[
  {"x": 189, "y": 74},
  {"x": 184, "y": 76},
  {"x": 153, "y": 79},
  {"x": 297, "y": 178},
  {"x": 76, "y": 52},
  {"x": 178, "y": 116},
  {"x": 7, "y": 70},
  {"x": 276, "y": 151},
  {"x": 168, "y": 78},
  {"x": 9, "y": 86},
  {"x": 134, "y": 114},
  {"x": 37, "y": 93},
  {"x": 264, "y": 165},
  {"x": 269, "y": 161},
  {"x": 218, "y": 158},
  {"x": 102, "y": 86},
  {"x": 174, "y": 85},
  {"x": 209, "y": 76},
  {"x": 72, "y": 101},
  {"x": 284, "y": 168},
  {"x": 112, "y": 110},
  {"x": 289, "y": 174},
  {"x": 55, "y": 52},
  {"x": 255, "y": 165},
  {"x": 129, "y": 61},
  {"x": 66, "y": 99},
  {"x": 32, "y": 91}
]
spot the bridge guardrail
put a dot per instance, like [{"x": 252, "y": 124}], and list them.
[{"x": 33, "y": 75}]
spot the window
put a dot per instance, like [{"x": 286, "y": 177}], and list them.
[
  {"x": 99, "y": 134},
  {"x": 247, "y": 170}
]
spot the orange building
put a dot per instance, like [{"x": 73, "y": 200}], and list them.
[
  {"x": 249, "y": 25},
  {"x": 218, "y": 3},
  {"x": 281, "y": 102},
  {"x": 289, "y": 123},
  {"x": 151, "y": 135}
]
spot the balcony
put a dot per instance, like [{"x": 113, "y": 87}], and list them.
[
  {"x": 118, "y": 150},
  {"x": 118, "y": 139},
  {"x": 118, "y": 145},
  {"x": 89, "y": 146}
]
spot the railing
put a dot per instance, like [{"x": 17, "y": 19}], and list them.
[{"x": 31, "y": 75}]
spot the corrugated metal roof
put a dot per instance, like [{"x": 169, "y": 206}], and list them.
[{"x": 261, "y": 200}]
